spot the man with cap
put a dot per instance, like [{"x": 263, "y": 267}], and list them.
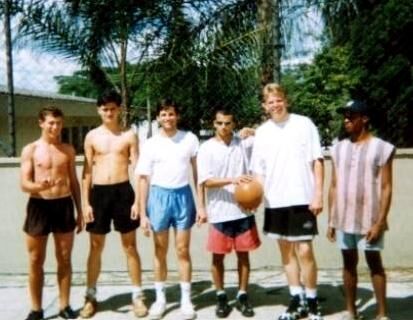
[{"x": 359, "y": 201}]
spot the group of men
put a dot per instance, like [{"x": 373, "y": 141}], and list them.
[{"x": 283, "y": 154}]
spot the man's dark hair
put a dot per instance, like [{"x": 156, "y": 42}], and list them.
[
  {"x": 109, "y": 96},
  {"x": 50, "y": 110},
  {"x": 165, "y": 104}
]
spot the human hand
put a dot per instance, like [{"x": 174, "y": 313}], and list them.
[
  {"x": 201, "y": 217},
  {"x": 134, "y": 211},
  {"x": 375, "y": 232},
  {"x": 246, "y": 132},
  {"x": 331, "y": 234},
  {"x": 145, "y": 225},
  {"x": 316, "y": 205},
  {"x": 88, "y": 216},
  {"x": 242, "y": 179},
  {"x": 79, "y": 223}
]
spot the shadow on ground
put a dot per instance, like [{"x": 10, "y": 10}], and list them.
[{"x": 203, "y": 296}]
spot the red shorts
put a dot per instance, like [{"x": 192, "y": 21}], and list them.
[{"x": 239, "y": 235}]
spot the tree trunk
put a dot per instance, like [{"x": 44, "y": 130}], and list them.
[{"x": 269, "y": 25}]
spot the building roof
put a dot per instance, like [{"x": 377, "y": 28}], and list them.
[{"x": 45, "y": 94}]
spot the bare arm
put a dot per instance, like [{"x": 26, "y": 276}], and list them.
[
  {"x": 316, "y": 205},
  {"x": 27, "y": 182},
  {"x": 75, "y": 188},
  {"x": 331, "y": 202},
  {"x": 385, "y": 199},
  {"x": 87, "y": 179},
  {"x": 143, "y": 183},
  {"x": 133, "y": 157}
]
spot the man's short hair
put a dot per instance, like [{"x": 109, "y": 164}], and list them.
[
  {"x": 109, "y": 96},
  {"x": 50, "y": 110},
  {"x": 165, "y": 104}
]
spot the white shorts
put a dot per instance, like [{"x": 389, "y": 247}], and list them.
[{"x": 348, "y": 241}]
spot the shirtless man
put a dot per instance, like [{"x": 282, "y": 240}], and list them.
[
  {"x": 109, "y": 196},
  {"x": 48, "y": 175}
]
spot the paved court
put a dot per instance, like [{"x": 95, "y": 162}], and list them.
[{"x": 268, "y": 294}]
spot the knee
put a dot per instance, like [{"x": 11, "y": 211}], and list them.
[
  {"x": 182, "y": 252},
  {"x": 36, "y": 260},
  {"x": 96, "y": 247},
  {"x": 130, "y": 250}
]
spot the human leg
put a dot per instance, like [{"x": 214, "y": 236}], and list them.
[
  {"x": 63, "y": 251},
  {"x": 217, "y": 270},
  {"x": 242, "y": 303},
  {"x": 378, "y": 278},
  {"x": 350, "y": 279},
  {"x": 94, "y": 262},
  {"x": 135, "y": 272},
  {"x": 36, "y": 247}
]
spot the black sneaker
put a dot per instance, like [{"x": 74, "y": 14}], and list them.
[
  {"x": 244, "y": 306},
  {"x": 314, "y": 309},
  {"x": 297, "y": 309},
  {"x": 67, "y": 313},
  {"x": 222, "y": 309},
  {"x": 35, "y": 315}
]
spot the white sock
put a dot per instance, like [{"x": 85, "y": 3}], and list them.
[
  {"x": 311, "y": 293},
  {"x": 240, "y": 292},
  {"x": 160, "y": 292},
  {"x": 91, "y": 293},
  {"x": 294, "y": 290},
  {"x": 136, "y": 292},
  {"x": 220, "y": 292},
  {"x": 185, "y": 292}
]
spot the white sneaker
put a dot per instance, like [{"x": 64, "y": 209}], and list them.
[
  {"x": 157, "y": 310},
  {"x": 187, "y": 310}
]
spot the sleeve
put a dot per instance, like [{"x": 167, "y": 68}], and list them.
[
  {"x": 257, "y": 161},
  {"x": 247, "y": 145},
  {"x": 314, "y": 152},
  {"x": 195, "y": 145},
  {"x": 388, "y": 150},
  {"x": 203, "y": 163},
  {"x": 144, "y": 166}
]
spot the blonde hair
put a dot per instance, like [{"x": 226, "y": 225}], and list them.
[{"x": 273, "y": 89}]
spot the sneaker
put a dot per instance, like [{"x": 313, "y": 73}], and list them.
[
  {"x": 382, "y": 318},
  {"x": 157, "y": 310},
  {"x": 297, "y": 308},
  {"x": 350, "y": 316},
  {"x": 89, "y": 309},
  {"x": 67, "y": 313},
  {"x": 244, "y": 306},
  {"x": 35, "y": 315},
  {"x": 188, "y": 311},
  {"x": 222, "y": 309},
  {"x": 313, "y": 309},
  {"x": 139, "y": 308}
]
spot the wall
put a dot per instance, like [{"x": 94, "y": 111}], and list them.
[{"x": 397, "y": 253}]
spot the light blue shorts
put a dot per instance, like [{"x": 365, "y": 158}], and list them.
[
  {"x": 348, "y": 241},
  {"x": 171, "y": 207}
]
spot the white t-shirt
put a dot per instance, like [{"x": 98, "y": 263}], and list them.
[
  {"x": 218, "y": 160},
  {"x": 167, "y": 160},
  {"x": 283, "y": 154}
]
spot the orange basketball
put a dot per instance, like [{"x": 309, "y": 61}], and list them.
[{"x": 248, "y": 195}]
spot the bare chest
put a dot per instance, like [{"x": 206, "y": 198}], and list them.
[{"x": 50, "y": 158}]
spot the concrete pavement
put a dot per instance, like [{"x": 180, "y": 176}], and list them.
[{"x": 268, "y": 294}]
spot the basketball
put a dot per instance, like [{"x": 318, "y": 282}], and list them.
[{"x": 248, "y": 195}]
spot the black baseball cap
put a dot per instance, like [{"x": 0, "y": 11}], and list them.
[{"x": 354, "y": 106}]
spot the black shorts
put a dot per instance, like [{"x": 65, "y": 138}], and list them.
[
  {"x": 113, "y": 201},
  {"x": 295, "y": 223},
  {"x": 49, "y": 215}
]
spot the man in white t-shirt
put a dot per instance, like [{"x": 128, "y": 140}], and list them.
[
  {"x": 166, "y": 201},
  {"x": 222, "y": 163},
  {"x": 287, "y": 158}
]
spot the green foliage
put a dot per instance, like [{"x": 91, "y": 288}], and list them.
[{"x": 317, "y": 89}]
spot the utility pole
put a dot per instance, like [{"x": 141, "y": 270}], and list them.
[
  {"x": 269, "y": 25},
  {"x": 10, "y": 85}
]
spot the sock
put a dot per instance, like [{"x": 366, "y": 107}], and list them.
[
  {"x": 296, "y": 290},
  {"x": 240, "y": 292},
  {"x": 160, "y": 292},
  {"x": 185, "y": 292},
  {"x": 310, "y": 293},
  {"x": 136, "y": 292},
  {"x": 91, "y": 293},
  {"x": 219, "y": 292}
]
